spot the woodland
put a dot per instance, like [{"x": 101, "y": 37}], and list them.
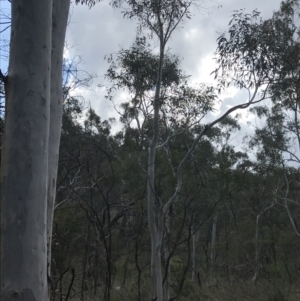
[{"x": 168, "y": 208}]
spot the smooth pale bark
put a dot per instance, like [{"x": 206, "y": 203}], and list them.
[
  {"x": 25, "y": 154},
  {"x": 156, "y": 231},
  {"x": 156, "y": 210},
  {"x": 31, "y": 144},
  {"x": 60, "y": 13},
  {"x": 257, "y": 261}
]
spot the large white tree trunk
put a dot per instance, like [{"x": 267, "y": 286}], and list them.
[
  {"x": 31, "y": 145},
  {"x": 25, "y": 154},
  {"x": 60, "y": 13}
]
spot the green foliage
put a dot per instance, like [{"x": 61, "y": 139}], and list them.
[
  {"x": 159, "y": 17},
  {"x": 101, "y": 229},
  {"x": 101, "y": 226}
]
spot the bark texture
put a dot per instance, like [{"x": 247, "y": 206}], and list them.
[
  {"x": 60, "y": 13},
  {"x": 31, "y": 143},
  {"x": 155, "y": 221},
  {"x": 25, "y": 153}
]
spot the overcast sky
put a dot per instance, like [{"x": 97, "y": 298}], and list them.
[
  {"x": 94, "y": 33},
  {"x": 102, "y": 30}
]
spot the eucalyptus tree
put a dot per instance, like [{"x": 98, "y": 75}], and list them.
[
  {"x": 168, "y": 109},
  {"x": 180, "y": 107},
  {"x": 276, "y": 43},
  {"x": 161, "y": 18},
  {"x": 34, "y": 101},
  {"x": 280, "y": 53}
]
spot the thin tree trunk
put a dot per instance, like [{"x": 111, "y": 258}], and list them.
[
  {"x": 85, "y": 260},
  {"x": 213, "y": 247},
  {"x": 257, "y": 261},
  {"x": 154, "y": 234},
  {"x": 160, "y": 231},
  {"x": 25, "y": 154},
  {"x": 256, "y": 251},
  {"x": 166, "y": 257},
  {"x": 193, "y": 254},
  {"x": 60, "y": 13}
]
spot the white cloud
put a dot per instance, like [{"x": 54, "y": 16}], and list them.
[{"x": 102, "y": 30}]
